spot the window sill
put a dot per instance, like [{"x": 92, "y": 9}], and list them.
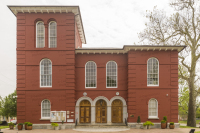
[
  {"x": 45, "y": 86},
  {"x": 44, "y": 119},
  {"x": 153, "y": 118},
  {"x": 152, "y": 85}
]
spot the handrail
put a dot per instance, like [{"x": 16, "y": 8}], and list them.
[
  {"x": 76, "y": 122},
  {"x": 126, "y": 122}
]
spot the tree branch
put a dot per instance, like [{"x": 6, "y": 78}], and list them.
[
  {"x": 182, "y": 61},
  {"x": 181, "y": 75}
]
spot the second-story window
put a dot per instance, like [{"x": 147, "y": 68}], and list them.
[
  {"x": 111, "y": 74},
  {"x": 52, "y": 34},
  {"x": 45, "y": 73},
  {"x": 90, "y": 74},
  {"x": 40, "y": 35},
  {"x": 152, "y": 72}
]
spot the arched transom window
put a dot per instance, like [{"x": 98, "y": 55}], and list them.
[
  {"x": 90, "y": 74},
  {"x": 45, "y": 73},
  {"x": 111, "y": 74},
  {"x": 52, "y": 34},
  {"x": 40, "y": 35},
  {"x": 45, "y": 109},
  {"x": 153, "y": 108},
  {"x": 152, "y": 72}
]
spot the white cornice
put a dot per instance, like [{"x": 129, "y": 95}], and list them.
[
  {"x": 127, "y": 48},
  {"x": 53, "y": 9}
]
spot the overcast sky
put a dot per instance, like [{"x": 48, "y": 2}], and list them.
[{"x": 107, "y": 23}]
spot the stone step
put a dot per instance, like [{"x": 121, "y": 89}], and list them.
[{"x": 100, "y": 126}]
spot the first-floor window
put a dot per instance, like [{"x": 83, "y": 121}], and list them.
[
  {"x": 153, "y": 108},
  {"x": 46, "y": 108}
]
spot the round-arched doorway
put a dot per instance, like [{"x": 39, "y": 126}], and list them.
[
  {"x": 101, "y": 111},
  {"x": 117, "y": 111},
  {"x": 85, "y": 111}
]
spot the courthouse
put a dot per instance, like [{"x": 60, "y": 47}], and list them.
[{"x": 58, "y": 80}]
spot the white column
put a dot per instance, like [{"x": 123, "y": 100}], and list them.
[
  {"x": 124, "y": 113},
  {"x": 77, "y": 113},
  {"x": 92, "y": 114},
  {"x": 109, "y": 115}
]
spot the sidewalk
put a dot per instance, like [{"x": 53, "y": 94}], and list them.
[
  {"x": 182, "y": 124},
  {"x": 177, "y": 130}
]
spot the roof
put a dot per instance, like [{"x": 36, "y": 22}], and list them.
[
  {"x": 55, "y": 9},
  {"x": 127, "y": 48}
]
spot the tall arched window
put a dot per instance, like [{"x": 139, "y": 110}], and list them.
[
  {"x": 152, "y": 72},
  {"x": 90, "y": 74},
  {"x": 153, "y": 108},
  {"x": 45, "y": 109},
  {"x": 45, "y": 73},
  {"x": 40, "y": 35},
  {"x": 111, "y": 74},
  {"x": 52, "y": 34}
]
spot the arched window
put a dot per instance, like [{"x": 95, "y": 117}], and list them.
[
  {"x": 40, "y": 35},
  {"x": 45, "y": 109},
  {"x": 52, "y": 34},
  {"x": 90, "y": 74},
  {"x": 153, "y": 108},
  {"x": 45, "y": 73},
  {"x": 111, "y": 74},
  {"x": 152, "y": 72}
]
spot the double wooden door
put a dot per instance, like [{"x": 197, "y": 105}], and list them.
[
  {"x": 101, "y": 111},
  {"x": 117, "y": 111},
  {"x": 85, "y": 112}
]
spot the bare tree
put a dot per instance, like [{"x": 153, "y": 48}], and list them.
[{"x": 181, "y": 28}]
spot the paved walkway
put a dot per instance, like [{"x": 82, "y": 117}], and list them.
[{"x": 177, "y": 130}]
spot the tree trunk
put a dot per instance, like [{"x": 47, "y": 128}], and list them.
[{"x": 191, "y": 121}]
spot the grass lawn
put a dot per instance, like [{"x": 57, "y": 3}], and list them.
[
  {"x": 197, "y": 132},
  {"x": 187, "y": 127},
  {"x": 197, "y": 122},
  {"x": 2, "y": 127}
]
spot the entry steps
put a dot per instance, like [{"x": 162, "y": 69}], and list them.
[{"x": 81, "y": 126}]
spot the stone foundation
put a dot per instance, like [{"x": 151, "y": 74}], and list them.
[
  {"x": 48, "y": 126},
  {"x": 156, "y": 125}
]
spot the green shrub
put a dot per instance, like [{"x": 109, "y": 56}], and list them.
[
  {"x": 62, "y": 122},
  {"x": 54, "y": 124},
  {"x": 29, "y": 124},
  {"x": 20, "y": 123},
  {"x": 171, "y": 123},
  {"x": 163, "y": 121},
  {"x": 138, "y": 119},
  {"x": 147, "y": 123},
  {"x": 26, "y": 123},
  {"x": 165, "y": 118},
  {"x": 10, "y": 124},
  {"x": 0, "y": 122}
]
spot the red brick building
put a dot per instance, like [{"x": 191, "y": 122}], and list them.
[{"x": 89, "y": 85}]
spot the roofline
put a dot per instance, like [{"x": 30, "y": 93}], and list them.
[
  {"x": 127, "y": 48},
  {"x": 75, "y": 6}
]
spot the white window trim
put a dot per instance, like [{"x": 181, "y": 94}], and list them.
[
  {"x": 51, "y": 74},
  {"x": 153, "y": 117},
  {"x": 158, "y": 71},
  {"x": 49, "y": 34},
  {"x": 36, "y": 34},
  {"x": 45, "y": 118},
  {"x": 116, "y": 72},
  {"x": 85, "y": 76}
]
